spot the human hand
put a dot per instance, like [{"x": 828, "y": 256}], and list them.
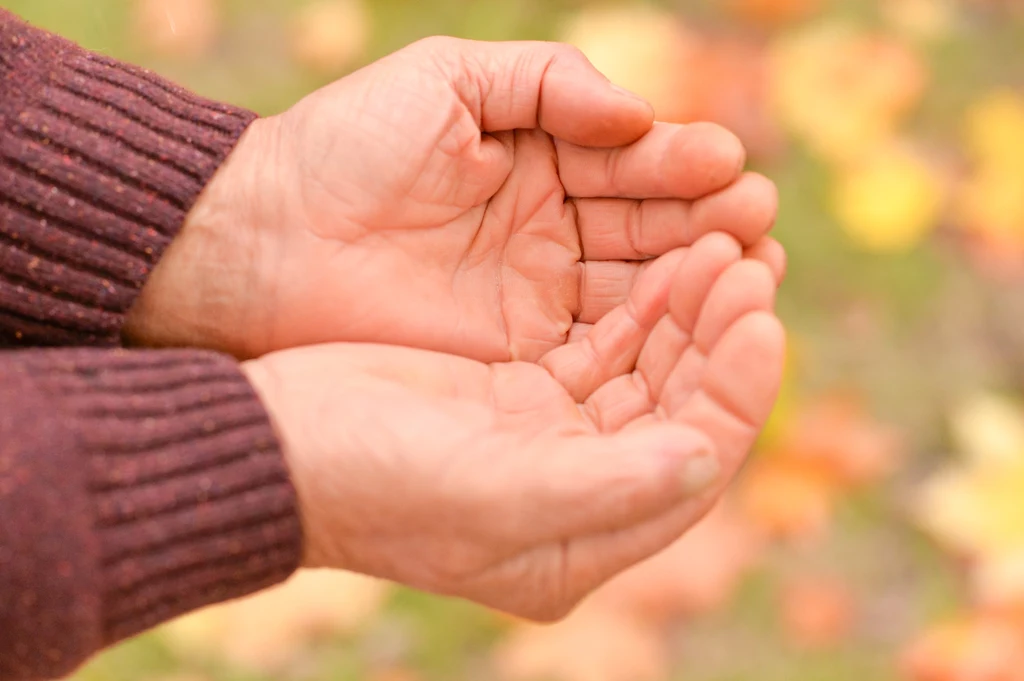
[
  {"x": 525, "y": 486},
  {"x": 398, "y": 206}
]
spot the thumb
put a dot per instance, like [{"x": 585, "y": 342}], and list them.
[
  {"x": 580, "y": 485},
  {"x": 547, "y": 85}
]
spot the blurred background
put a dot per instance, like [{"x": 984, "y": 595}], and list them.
[{"x": 878, "y": 532}]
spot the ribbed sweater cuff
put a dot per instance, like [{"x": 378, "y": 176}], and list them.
[
  {"x": 99, "y": 164},
  {"x": 191, "y": 498}
]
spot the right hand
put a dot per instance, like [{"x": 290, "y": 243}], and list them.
[
  {"x": 482, "y": 199},
  {"x": 521, "y": 486}
]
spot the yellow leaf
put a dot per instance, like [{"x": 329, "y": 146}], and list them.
[
  {"x": 842, "y": 90},
  {"x": 976, "y": 510},
  {"x": 989, "y": 430},
  {"x": 921, "y": 19},
  {"x": 991, "y": 204},
  {"x": 889, "y": 201},
  {"x": 994, "y": 129},
  {"x": 641, "y": 48},
  {"x": 327, "y": 35},
  {"x": 269, "y": 629}
]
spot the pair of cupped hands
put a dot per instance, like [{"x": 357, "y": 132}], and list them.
[{"x": 533, "y": 331}]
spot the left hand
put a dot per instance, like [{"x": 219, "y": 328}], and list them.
[{"x": 523, "y": 486}]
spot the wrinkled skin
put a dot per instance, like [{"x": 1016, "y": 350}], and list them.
[
  {"x": 525, "y": 486},
  {"x": 481, "y": 199}
]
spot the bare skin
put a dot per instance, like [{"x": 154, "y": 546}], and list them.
[
  {"x": 474, "y": 198},
  {"x": 523, "y": 486},
  {"x": 584, "y": 298}
]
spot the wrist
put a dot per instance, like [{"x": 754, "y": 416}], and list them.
[{"x": 202, "y": 291}]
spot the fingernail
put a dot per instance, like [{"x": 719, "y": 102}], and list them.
[{"x": 699, "y": 472}]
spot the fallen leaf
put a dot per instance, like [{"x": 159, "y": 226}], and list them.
[
  {"x": 268, "y": 630},
  {"x": 328, "y": 35},
  {"x": 842, "y": 90},
  {"x": 926, "y": 20},
  {"x": 641, "y": 48},
  {"x": 697, "y": 574},
  {"x": 178, "y": 28},
  {"x": 817, "y": 612},
  {"x": 989, "y": 430},
  {"x": 592, "y": 644},
  {"x": 836, "y": 435},
  {"x": 728, "y": 85},
  {"x": 773, "y": 12},
  {"x": 888, "y": 201},
  {"x": 785, "y": 499},
  {"x": 972, "y": 648}
]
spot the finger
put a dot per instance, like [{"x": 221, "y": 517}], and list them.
[
  {"x": 673, "y": 335},
  {"x": 746, "y": 287},
  {"x": 738, "y": 391},
  {"x": 623, "y": 229},
  {"x": 615, "y": 341},
  {"x": 771, "y": 253},
  {"x": 671, "y": 162},
  {"x": 581, "y": 484},
  {"x": 519, "y": 85},
  {"x": 623, "y": 399}
]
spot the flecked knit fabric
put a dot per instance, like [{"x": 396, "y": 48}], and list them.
[
  {"x": 99, "y": 164},
  {"x": 134, "y": 485}
]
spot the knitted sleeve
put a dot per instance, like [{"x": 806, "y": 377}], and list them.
[
  {"x": 134, "y": 486},
  {"x": 99, "y": 164}
]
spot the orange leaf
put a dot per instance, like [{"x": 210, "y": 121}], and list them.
[
  {"x": 698, "y": 573},
  {"x": 976, "y": 648},
  {"x": 817, "y": 613},
  {"x": 592, "y": 644},
  {"x": 773, "y": 11},
  {"x": 837, "y": 436},
  {"x": 785, "y": 499}
]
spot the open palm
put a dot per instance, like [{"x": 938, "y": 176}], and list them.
[
  {"x": 525, "y": 486},
  {"x": 473, "y": 198}
]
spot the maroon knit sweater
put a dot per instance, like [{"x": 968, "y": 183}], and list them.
[{"x": 134, "y": 485}]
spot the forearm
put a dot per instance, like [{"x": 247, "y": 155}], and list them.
[
  {"x": 100, "y": 163},
  {"x": 134, "y": 487}
]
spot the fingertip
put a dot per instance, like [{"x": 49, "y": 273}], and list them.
[
  {"x": 746, "y": 209},
  {"x": 771, "y": 253},
  {"x": 764, "y": 193},
  {"x": 746, "y": 286},
  {"x": 744, "y": 369},
  {"x": 706, "y": 157},
  {"x": 706, "y": 260},
  {"x": 581, "y": 106},
  {"x": 719, "y": 246},
  {"x": 760, "y": 339}
]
